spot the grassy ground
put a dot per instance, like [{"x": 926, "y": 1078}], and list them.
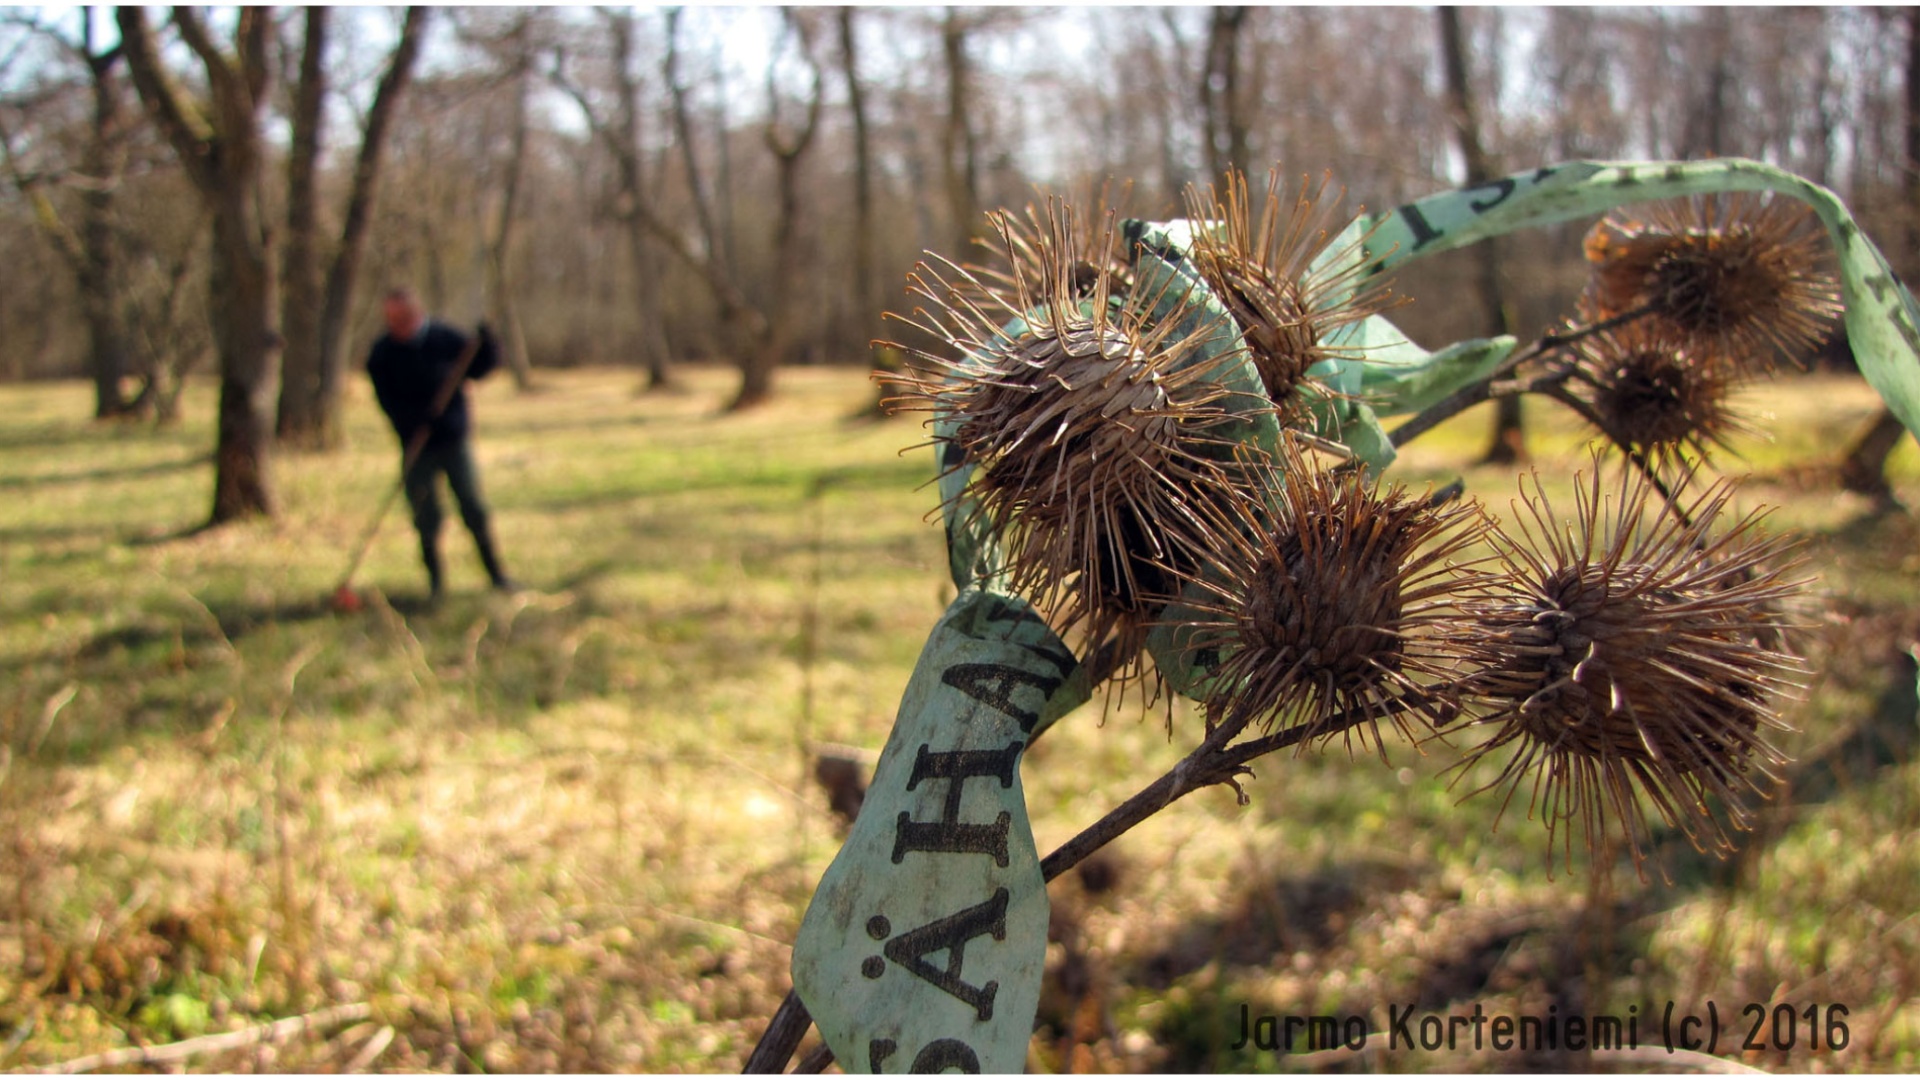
[{"x": 574, "y": 829}]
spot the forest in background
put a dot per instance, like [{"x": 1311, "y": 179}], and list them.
[
  {"x": 573, "y": 828},
  {"x": 229, "y": 192}
]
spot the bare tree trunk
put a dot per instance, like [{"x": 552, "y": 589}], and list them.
[
  {"x": 756, "y": 373},
  {"x": 957, "y": 147},
  {"x": 654, "y": 350},
  {"x": 1509, "y": 436},
  {"x": 701, "y": 254},
  {"x": 683, "y": 134},
  {"x": 99, "y": 278},
  {"x": 242, "y": 287},
  {"x": 167, "y": 344},
  {"x": 621, "y": 137},
  {"x": 723, "y": 166},
  {"x": 866, "y": 300},
  {"x": 221, "y": 150},
  {"x": 628, "y": 155},
  {"x": 1863, "y": 468},
  {"x": 1169, "y": 109},
  {"x": 1707, "y": 120},
  {"x": 315, "y": 364},
  {"x": 513, "y": 340},
  {"x": 1825, "y": 118},
  {"x": 1221, "y": 110},
  {"x": 300, "y": 273},
  {"x": 93, "y": 252}
]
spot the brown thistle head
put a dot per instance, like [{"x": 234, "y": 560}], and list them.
[
  {"x": 1088, "y": 437},
  {"x": 1627, "y": 661},
  {"x": 1652, "y": 396},
  {"x": 1261, "y": 270},
  {"x": 1334, "y": 600},
  {"x": 1740, "y": 277},
  {"x": 1026, "y": 244}
]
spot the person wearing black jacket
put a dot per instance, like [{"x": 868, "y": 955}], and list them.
[{"x": 410, "y": 365}]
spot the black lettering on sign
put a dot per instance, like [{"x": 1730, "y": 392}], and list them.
[
  {"x": 1423, "y": 233},
  {"x": 1543, "y": 172},
  {"x": 952, "y": 933},
  {"x": 992, "y": 685},
  {"x": 878, "y": 1051},
  {"x": 1062, "y": 659},
  {"x": 943, "y": 1055},
  {"x": 1505, "y": 188},
  {"x": 878, "y": 928},
  {"x": 949, "y": 833},
  {"x": 1001, "y": 609},
  {"x": 952, "y": 456}
]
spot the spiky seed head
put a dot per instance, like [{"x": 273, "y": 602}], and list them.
[
  {"x": 1335, "y": 597},
  {"x": 1741, "y": 275},
  {"x": 1025, "y": 245},
  {"x": 1653, "y": 396},
  {"x": 1261, "y": 269},
  {"x": 1089, "y": 437},
  {"x": 1629, "y": 658}
]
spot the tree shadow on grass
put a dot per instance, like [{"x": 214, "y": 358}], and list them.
[
  {"x": 163, "y": 668},
  {"x": 33, "y": 535},
  {"x": 885, "y": 474},
  {"x": 40, "y": 438},
  {"x": 1285, "y": 914},
  {"x": 504, "y": 428},
  {"x": 1561, "y": 958},
  {"x": 124, "y": 472},
  {"x": 1869, "y": 532}
]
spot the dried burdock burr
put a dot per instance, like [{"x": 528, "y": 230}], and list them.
[
  {"x": 1090, "y": 433},
  {"x": 1334, "y": 598},
  {"x": 1626, "y": 661},
  {"x": 1262, "y": 270},
  {"x": 1653, "y": 396},
  {"x": 1025, "y": 245},
  {"x": 1737, "y": 276}
]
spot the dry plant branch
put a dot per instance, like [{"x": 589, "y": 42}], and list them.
[
  {"x": 172, "y": 1053},
  {"x": 1217, "y": 760},
  {"x": 784, "y": 1032},
  {"x": 1485, "y": 389},
  {"x": 815, "y": 1062},
  {"x": 1558, "y": 392}
]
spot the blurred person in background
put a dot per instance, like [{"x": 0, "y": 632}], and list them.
[{"x": 418, "y": 376}]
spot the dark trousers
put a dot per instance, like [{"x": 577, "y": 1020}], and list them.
[{"x": 455, "y": 461}]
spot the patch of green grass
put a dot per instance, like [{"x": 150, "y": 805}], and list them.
[{"x": 575, "y": 829}]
